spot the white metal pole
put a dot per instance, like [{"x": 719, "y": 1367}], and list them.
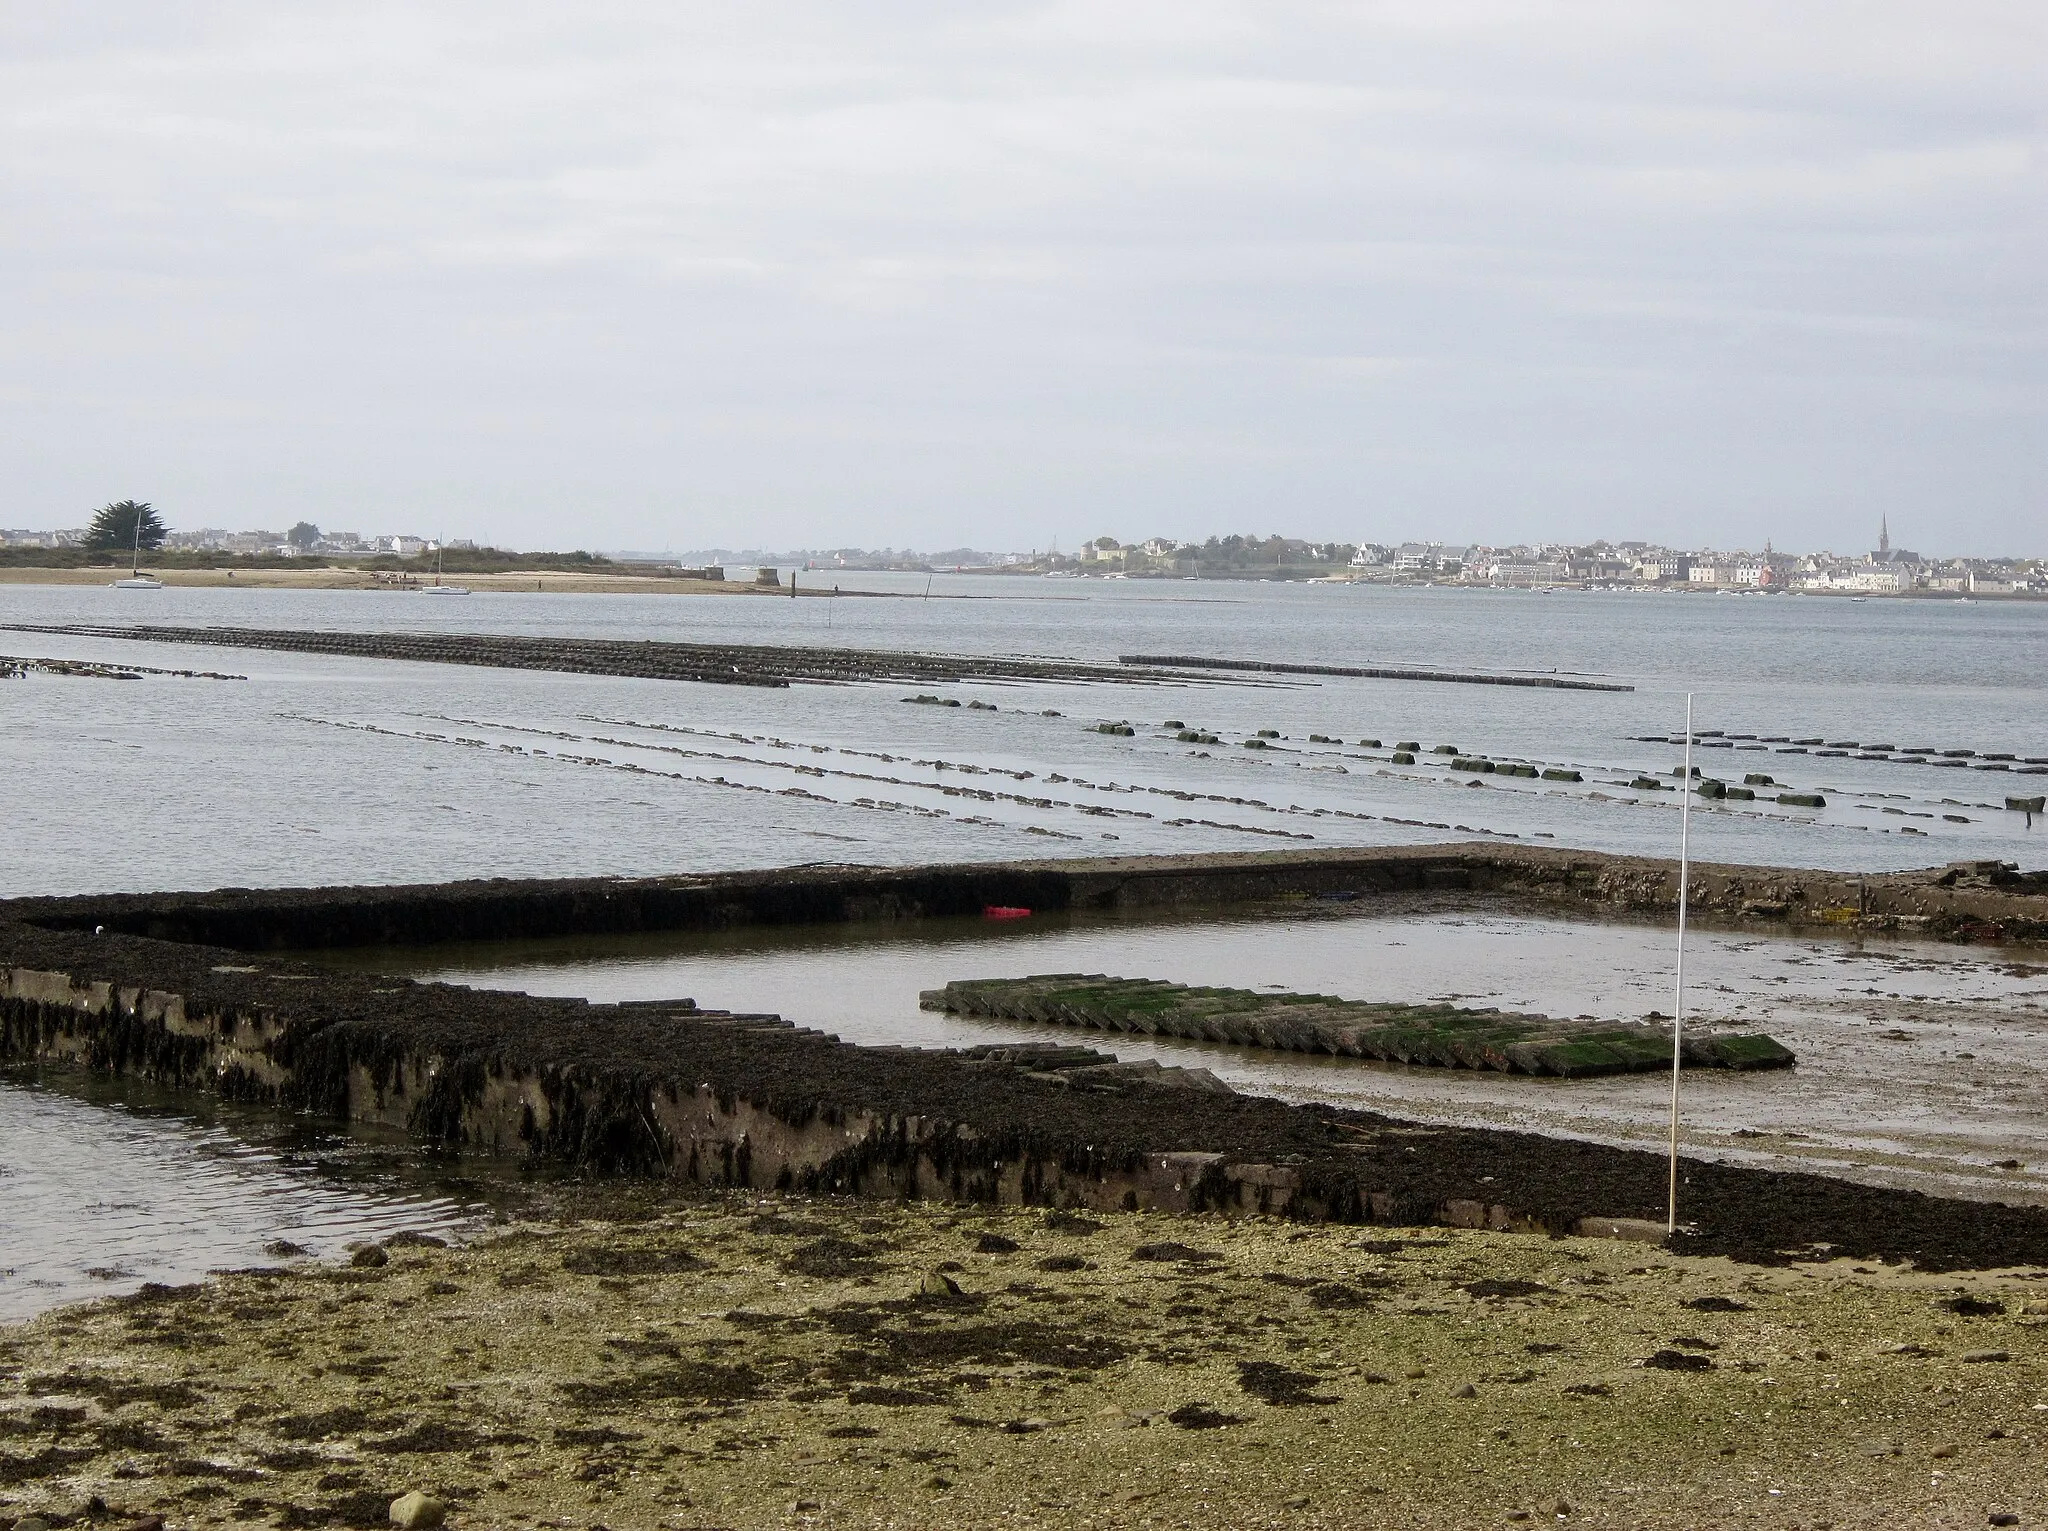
[{"x": 1678, "y": 992}]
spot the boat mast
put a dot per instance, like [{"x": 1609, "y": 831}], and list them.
[{"x": 1678, "y": 994}]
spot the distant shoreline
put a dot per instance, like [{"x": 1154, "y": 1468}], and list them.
[
  {"x": 1573, "y": 587},
  {"x": 576, "y": 582},
  {"x": 548, "y": 581}
]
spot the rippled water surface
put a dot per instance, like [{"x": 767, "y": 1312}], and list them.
[
  {"x": 99, "y": 1195},
  {"x": 323, "y": 769}
]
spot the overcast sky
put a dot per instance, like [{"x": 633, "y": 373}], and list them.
[{"x": 786, "y": 274}]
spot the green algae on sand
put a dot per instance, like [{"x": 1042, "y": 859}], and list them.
[{"x": 687, "y": 1364}]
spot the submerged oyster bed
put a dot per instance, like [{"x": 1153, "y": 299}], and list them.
[
  {"x": 729, "y": 664},
  {"x": 1441, "y": 1035}
]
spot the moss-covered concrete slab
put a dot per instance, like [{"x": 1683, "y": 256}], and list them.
[{"x": 1443, "y": 1036}]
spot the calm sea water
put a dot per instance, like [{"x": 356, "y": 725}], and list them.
[
  {"x": 198, "y": 1185},
  {"x": 319, "y": 769}
]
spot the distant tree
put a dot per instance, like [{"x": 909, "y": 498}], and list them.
[
  {"x": 114, "y": 527},
  {"x": 303, "y": 536}
]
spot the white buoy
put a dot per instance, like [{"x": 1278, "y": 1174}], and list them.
[{"x": 1678, "y": 989}]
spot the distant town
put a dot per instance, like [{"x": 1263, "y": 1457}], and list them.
[
  {"x": 1884, "y": 570},
  {"x": 297, "y": 543},
  {"x": 303, "y": 541}
]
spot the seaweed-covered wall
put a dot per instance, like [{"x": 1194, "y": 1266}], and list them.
[
  {"x": 180, "y": 988},
  {"x": 629, "y": 1108},
  {"x": 1965, "y": 900},
  {"x": 748, "y": 1101}
]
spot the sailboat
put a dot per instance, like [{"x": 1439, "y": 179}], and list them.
[
  {"x": 437, "y": 588},
  {"x": 136, "y": 579}
]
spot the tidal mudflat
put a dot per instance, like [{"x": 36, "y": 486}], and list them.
[{"x": 751, "y": 1362}]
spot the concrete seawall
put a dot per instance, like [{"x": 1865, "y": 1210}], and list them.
[
  {"x": 617, "y": 1089},
  {"x": 175, "y": 988}
]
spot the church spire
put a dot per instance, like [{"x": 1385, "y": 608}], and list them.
[{"x": 1884, "y": 534}]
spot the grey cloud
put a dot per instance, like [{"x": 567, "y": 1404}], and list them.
[{"x": 620, "y": 274}]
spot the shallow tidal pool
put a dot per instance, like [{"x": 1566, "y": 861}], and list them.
[{"x": 1920, "y": 1063}]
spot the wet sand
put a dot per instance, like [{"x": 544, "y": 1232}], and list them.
[{"x": 747, "y": 1362}]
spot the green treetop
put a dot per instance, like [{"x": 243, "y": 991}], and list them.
[{"x": 114, "y": 527}]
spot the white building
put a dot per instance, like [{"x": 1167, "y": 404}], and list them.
[
  {"x": 1429, "y": 555},
  {"x": 1516, "y": 571},
  {"x": 1859, "y": 579}
]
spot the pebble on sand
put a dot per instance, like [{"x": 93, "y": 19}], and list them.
[{"x": 417, "y": 1510}]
